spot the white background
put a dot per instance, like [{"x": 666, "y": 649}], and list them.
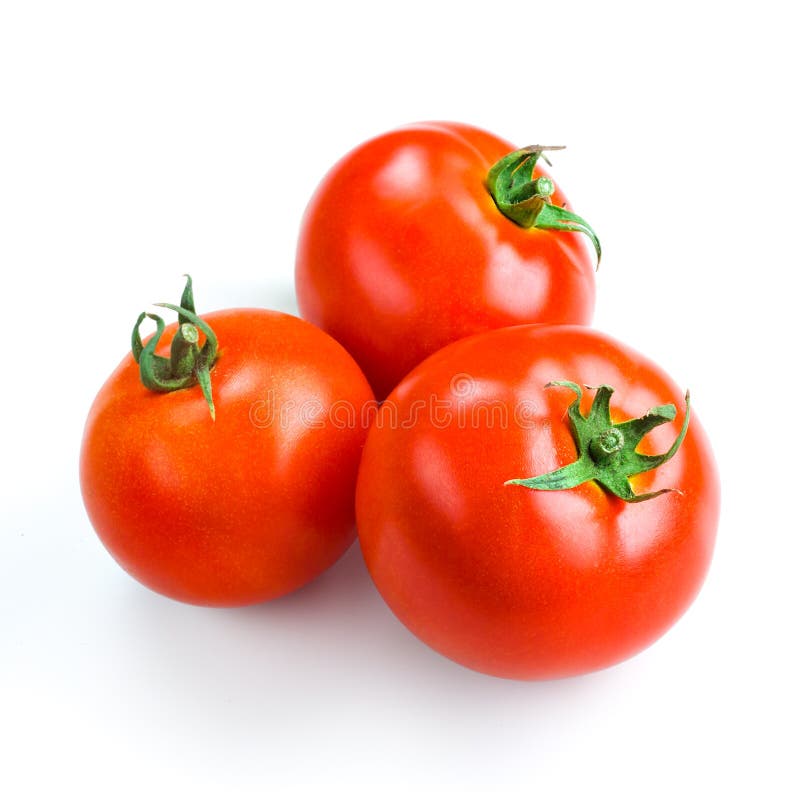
[{"x": 139, "y": 141}]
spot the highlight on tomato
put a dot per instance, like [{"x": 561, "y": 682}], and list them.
[
  {"x": 537, "y": 502},
  {"x": 213, "y": 465},
  {"x": 434, "y": 232}
]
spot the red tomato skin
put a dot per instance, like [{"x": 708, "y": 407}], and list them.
[
  {"x": 519, "y": 583},
  {"x": 402, "y": 251},
  {"x": 245, "y": 508}
]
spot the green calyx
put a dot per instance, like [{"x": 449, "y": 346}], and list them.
[
  {"x": 607, "y": 451},
  {"x": 188, "y": 363},
  {"x": 526, "y": 200}
]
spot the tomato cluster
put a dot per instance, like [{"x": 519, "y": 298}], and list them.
[{"x": 529, "y": 500}]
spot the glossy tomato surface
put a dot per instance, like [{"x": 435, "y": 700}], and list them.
[
  {"x": 249, "y": 506},
  {"x": 516, "y": 582},
  {"x": 402, "y": 250}
]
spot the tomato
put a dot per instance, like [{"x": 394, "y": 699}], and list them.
[
  {"x": 248, "y": 505},
  {"x": 403, "y": 249},
  {"x": 545, "y": 582}
]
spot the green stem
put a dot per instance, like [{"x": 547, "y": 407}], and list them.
[
  {"x": 607, "y": 451},
  {"x": 525, "y": 200},
  {"x": 182, "y": 353},
  {"x": 188, "y": 364}
]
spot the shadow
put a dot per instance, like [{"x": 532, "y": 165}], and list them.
[{"x": 330, "y": 651}]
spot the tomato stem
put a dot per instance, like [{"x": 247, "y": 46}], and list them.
[
  {"x": 525, "y": 200},
  {"x": 188, "y": 364},
  {"x": 607, "y": 451}
]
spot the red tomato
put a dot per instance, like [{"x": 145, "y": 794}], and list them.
[
  {"x": 402, "y": 250},
  {"x": 246, "y": 507},
  {"x": 517, "y": 582}
]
